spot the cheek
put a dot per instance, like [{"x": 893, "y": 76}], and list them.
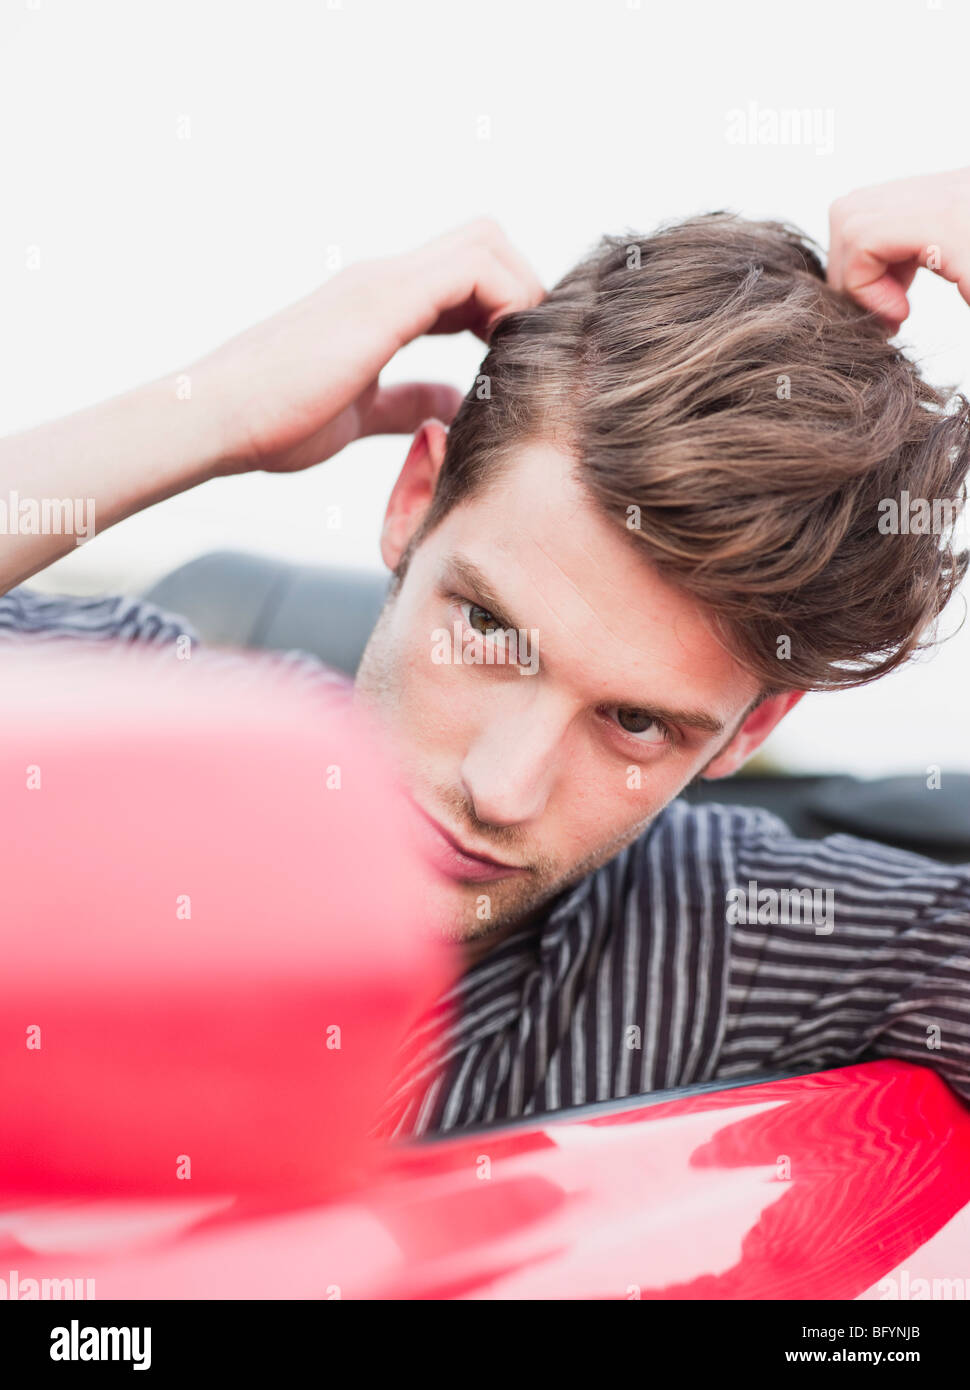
[
  {"x": 602, "y": 801},
  {"x": 609, "y": 801},
  {"x": 436, "y": 696}
]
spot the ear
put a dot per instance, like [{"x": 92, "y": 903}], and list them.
[
  {"x": 414, "y": 489},
  {"x": 752, "y": 734}
]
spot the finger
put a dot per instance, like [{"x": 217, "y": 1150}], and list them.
[
  {"x": 474, "y": 278},
  {"x": 864, "y": 242},
  {"x": 482, "y": 290},
  {"x": 401, "y": 408},
  {"x": 885, "y": 298},
  {"x": 475, "y": 294},
  {"x": 905, "y": 271},
  {"x": 869, "y": 249},
  {"x": 514, "y": 261},
  {"x": 485, "y": 231},
  {"x": 875, "y": 265}
]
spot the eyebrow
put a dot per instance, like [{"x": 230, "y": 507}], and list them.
[{"x": 461, "y": 572}]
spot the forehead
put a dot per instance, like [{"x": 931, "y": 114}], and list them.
[{"x": 560, "y": 565}]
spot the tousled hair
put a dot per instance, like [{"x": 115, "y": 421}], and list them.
[{"x": 741, "y": 421}]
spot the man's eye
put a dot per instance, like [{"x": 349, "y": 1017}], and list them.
[
  {"x": 641, "y": 724},
  {"x": 480, "y": 619}
]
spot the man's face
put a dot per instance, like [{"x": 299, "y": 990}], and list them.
[{"x": 552, "y": 764}]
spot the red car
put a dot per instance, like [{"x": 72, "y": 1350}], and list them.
[
  {"x": 203, "y": 983},
  {"x": 852, "y": 1183}
]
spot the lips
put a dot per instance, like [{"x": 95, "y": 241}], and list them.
[{"x": 449, "y": 856}]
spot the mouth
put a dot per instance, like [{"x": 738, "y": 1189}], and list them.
[{"x": 454, "y": 860}]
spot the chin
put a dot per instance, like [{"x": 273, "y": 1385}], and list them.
[{"x": 453, "y": 909}]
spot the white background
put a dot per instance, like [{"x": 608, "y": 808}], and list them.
[{"x": 322, "y": 131}]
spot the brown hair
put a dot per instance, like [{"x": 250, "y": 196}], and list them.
[{"x": 708, "y": 376}]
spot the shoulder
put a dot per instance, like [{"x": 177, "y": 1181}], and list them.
[
  {"x": 872, "y": 884},
  {"x": 28, "y": 614}
]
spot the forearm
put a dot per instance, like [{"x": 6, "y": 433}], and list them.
[{"x": 102, "y": 464}]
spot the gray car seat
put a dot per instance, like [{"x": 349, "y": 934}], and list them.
[{"x": 240, "y": 600}]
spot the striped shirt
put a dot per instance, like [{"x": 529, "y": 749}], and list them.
[{"x": 716, "y": 946}]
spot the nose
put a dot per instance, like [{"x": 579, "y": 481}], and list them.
[{"x": 512, "y": 764}]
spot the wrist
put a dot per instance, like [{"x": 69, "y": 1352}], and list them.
[{"x": 202, "y": 422}]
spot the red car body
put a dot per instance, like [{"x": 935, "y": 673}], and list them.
[{"x": 844, "y": 1184}]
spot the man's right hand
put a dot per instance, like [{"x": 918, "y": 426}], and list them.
[
  {"x": 286, "y": 394},
  {"x": 297, "y": 388}
]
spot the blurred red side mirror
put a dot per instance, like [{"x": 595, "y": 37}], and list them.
[{"x": 212, "y": 932}]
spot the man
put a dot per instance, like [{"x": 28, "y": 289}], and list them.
[{"x": 653, "y": 525}]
